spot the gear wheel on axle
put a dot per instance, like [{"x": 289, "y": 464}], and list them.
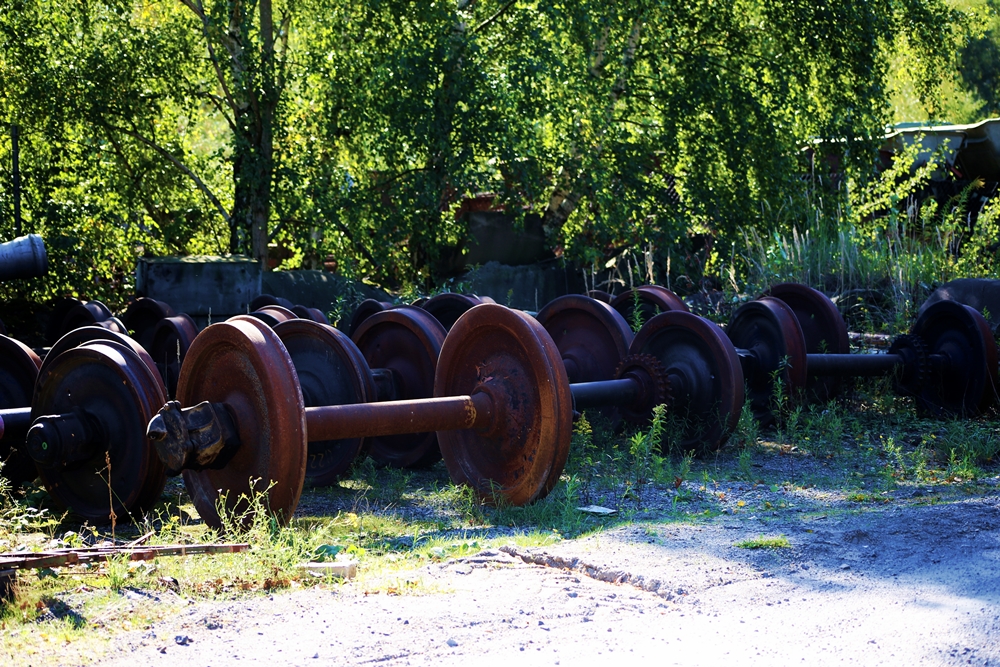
[
  {"x": 915, "y": 370},
  {"x": 653, "y": 379}
]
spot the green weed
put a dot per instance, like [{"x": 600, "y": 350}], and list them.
[{"x": 762, "y": 542}]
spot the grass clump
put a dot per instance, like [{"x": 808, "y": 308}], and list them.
[{"x": 762, "y": 542}]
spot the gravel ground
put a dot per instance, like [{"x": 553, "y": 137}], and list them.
[{"x": 915, "y": 581}]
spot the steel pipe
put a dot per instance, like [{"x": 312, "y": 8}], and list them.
[
  {"x": 364, "y": 420},
  {"x": 605, "y": 393},
  {"x": 846, "y": 365}
]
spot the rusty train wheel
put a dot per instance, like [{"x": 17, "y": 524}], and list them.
[
  {"x": 169, "y": 345},
  {"x": 332, "y": 371},
  {"x": 653, "y": 300},
  {"x": 592, "y": 337},
  {"x": 967, "y": 384},
  {"x": 706, "y": 379},
  {"x": 142, "y": 316},
  {"x": 407, "y": 341},
  {"x": 769, "y": 328},
  {"x": 366, "y": 309},
  {"x": 509, "y": 354},
  {"x": 18, "y": 369},
  {"x": 449, "y": 306},
  {"x": 108, "y": 382},
  {"x": 313, "y": 314},
  {"x": 241, "y": 362},
  {"x": 823, "y": 327}
]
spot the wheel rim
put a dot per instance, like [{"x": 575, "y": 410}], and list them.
[
  {"x": 331, "y": 371},
  {"x": 823, "y": 329},
  {"x": 18, "y": 370},
  {"x": 521, "y": 461},
  {"x": 706, "y": 386},
  {"x": 770, "y": 329},
  {"x": 109, "y": 382},
  {"x": 967, "y": 386},
  {"x": 592, "y": 338},
  {"x": 241, "y": 362},
  {"x": 407, "y": 341},
  {"x": 653, "y": 300},
  {"x": 446, "y": 308}
]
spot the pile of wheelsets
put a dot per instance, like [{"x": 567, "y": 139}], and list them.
[{"x": 265, "y": 402}]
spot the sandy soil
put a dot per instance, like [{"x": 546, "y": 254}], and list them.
[{"x": 907, "y": 583}]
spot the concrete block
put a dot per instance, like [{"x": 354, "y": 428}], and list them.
[{"x": 199, "y": 285}]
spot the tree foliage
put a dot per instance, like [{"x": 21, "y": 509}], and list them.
[{"x": 356, "y": 128}]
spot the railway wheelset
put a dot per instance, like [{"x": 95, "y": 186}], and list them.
[
  {"x": 256, "y": 402},
  {"x": 264, "y": 404}
]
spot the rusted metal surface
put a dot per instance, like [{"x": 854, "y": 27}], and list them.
[
  {"x": 243, "y": 364},
  {"x": 705, "y": 377},
  {"x": 314, "y": 314},
  {"x": 202, "y": 437},
  {"x": 963, "y": 360},
  {"x": 366, "y": 309},
  {"x": 399, "y": 417},
  {"x": 653, "y": 300},
  {"x": 407, "y": 341},
  {"x": 18, "y": 369},
  {"x": 449, "y": 306},
  {"x": 91, "y": 405},
  {"x": 19, "y": 560},
  {"x": 771, "y": 345},
  {"x": 170, "y": 342},
  {"x": 142, "y": 316},
  {"x": 331, "y": 371},
  {"x": 508, "y": 355},
  {"x": 591, "y": 336},
  {"x": 823, "y": 328}
]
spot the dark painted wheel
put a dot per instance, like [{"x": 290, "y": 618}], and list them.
[
  {"x": 142, "y": 316},
  {"x": 601, "y": 295},
  {"x": 705, "y": 378},
  {"x": 590, "y": 335},
  {"x": 269, "y": 300},
  {"x": 241, "y": 362},
  {"x": 510, "y": 356},
  {"x": 87, "y": 313},
  {"x": 332, "y": 371},
  {"x": 653, "y": 300},
  {"x": 170, "y": 342},
  {"x": 60, "y": 308},
  {"x": 366, "y": 309},
  {"x": 769, "y": 330},
  {"x": 118, "y": 394},
  {"x": 823, "y": 328},
  {"x": 406, "y": 341},
  {"x": 78, "y": 337},
  {"x": 314, "y": 314},
  {"x": 18, "y": 369},
  {"x": 962, "y": 357},
  {"x": 449, "y": 306}
]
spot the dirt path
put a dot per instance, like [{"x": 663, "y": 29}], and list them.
[{"x": 905, "y": 584}]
